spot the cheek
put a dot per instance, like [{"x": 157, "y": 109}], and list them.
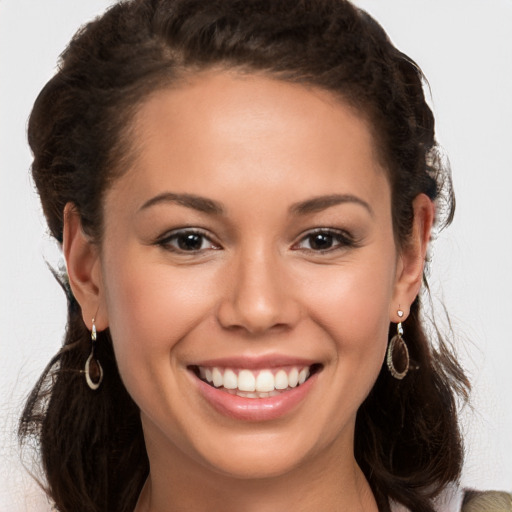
[
  {"x": 354, "y": 303},
  {"x": 352, "y": 306},
  {"x": 150, "y": 309}
]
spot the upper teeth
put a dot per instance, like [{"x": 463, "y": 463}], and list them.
[{"x": 259, "y": 381}]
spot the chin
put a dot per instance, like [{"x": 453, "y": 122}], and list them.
[
  {"x": 266, "y": 455},
  {"x": 258, "y": 466}
]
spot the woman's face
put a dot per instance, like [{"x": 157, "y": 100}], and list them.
[{"x": 249, "y": 244}]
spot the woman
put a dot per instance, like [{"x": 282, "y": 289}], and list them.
[{"x": 245, "y": 193}]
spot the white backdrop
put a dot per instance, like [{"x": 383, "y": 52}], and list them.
[{"x": 465, "y": 49}]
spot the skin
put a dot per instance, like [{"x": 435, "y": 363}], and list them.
[{"x": 257, "y": 287}]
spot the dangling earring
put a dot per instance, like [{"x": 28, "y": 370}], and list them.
[
  {"x": 397, "y": 351},
  {"x": 93, "y": 369}
]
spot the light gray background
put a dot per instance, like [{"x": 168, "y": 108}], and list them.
[{"x": 465, "y": 49}]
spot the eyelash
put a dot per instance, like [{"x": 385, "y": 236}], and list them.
[
  {"x": 340, "y": 240},
  {"x": 166, "y": 241}
]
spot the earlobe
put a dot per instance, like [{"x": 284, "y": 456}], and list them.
[
  {"x": 84, "y": 269},
  {"x": 412, "y": 258}
]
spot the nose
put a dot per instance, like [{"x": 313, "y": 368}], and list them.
[{"x": 258, "y": 295}]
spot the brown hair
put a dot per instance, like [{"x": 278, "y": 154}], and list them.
[{"x": 92, "y": 448}]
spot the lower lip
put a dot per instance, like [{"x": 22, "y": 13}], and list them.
[{"x": 255, "y": 409}]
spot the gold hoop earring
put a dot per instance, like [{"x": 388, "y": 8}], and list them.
[
  {"x": 398, "y": 353},
  {"x": 93, "y": 369}
]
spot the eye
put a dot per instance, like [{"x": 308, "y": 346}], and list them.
[
  {"x": 187, "y": 241},
  {"x": 323, "y": 240}
]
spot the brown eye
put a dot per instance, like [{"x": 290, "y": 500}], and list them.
[
  {"x": 324, "y": 240},
  {"x": 320, "y": 241},
  {"x": 187, "y": 241},
  {"x": 190, "y": 242}
]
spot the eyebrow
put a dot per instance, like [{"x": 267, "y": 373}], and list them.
[
  {"x": 198, "y": 203},
  {"x": 205, "y": 205},
  {"x": 320, "y": 203}
]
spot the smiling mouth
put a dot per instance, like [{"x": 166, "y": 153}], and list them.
[{"x": 263, "y": 383}]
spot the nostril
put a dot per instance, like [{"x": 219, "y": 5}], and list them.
[{"x": 258, "y": 304}]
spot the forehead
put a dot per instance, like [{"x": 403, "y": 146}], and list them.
[{"x": 223, "y": 130}]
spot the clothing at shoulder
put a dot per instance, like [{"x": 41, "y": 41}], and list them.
[
  {"x": 489, "y": 501},
  {"x": 455, "y": 499}
]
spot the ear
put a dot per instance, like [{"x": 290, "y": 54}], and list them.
[
  {"x": 411, "y": 260},
  {"x": 84, "y": 269}
]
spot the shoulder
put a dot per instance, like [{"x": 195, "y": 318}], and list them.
[{"x": 488, "y": 501}]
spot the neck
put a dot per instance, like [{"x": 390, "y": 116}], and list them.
[{"x": 329, "y": 482}]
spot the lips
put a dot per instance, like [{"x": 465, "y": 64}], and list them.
[{"x": 254, "y": 391}]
